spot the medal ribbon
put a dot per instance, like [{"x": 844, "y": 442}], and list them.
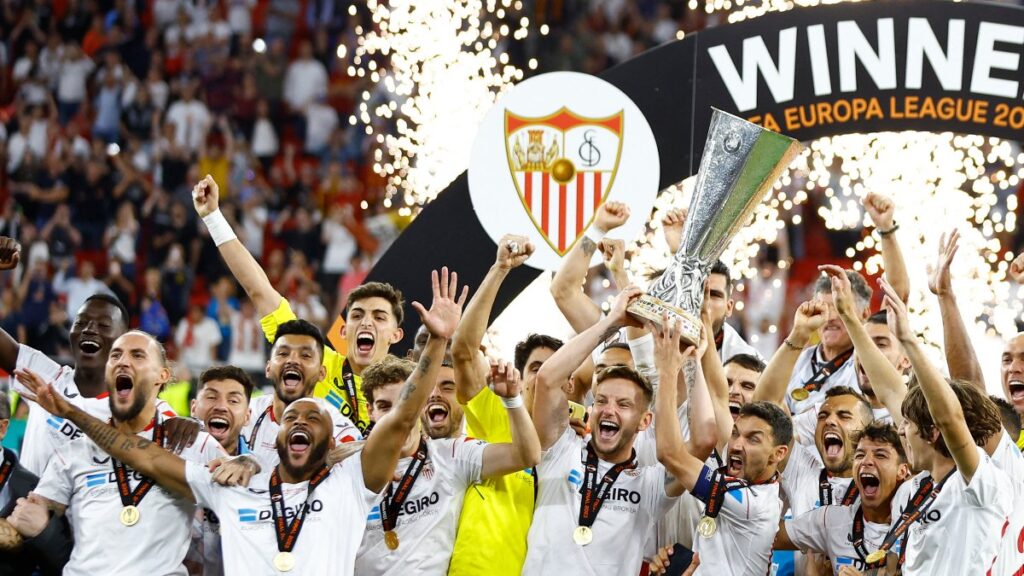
[
  {"x": 919, "y": 505},
  {"x": 593, "y": 499},
  {"x": 349, "y": 379},
  {"x": 823, "y": 371},
  {"x": 721, "y": 484},
  {"x": 259, "y": 422},
  {"x": 825, "y": 491},
  {"x": 131, "y": 497},
  {"x": 391, "y": 504},
  {"x": 6, "y": 468},
  {"x": 719, "y": 338},
  {"x": 288, "y": 533}
]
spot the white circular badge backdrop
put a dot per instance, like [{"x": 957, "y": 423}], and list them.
[{"x": 551, "y": 149}]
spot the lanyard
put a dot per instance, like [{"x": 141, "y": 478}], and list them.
[
  {"x": 594, "y": 494},
  {"x": 131, "y": 497},
  {"x": 824, "y": 370},
  {"x": 6, "y": 468},
  {"x": 919, "y": 505},
  {"x": 349, "y": 379},
  {"x": 259, "y": 422},
  {"x": 825, "y": 491},
  {"x": 721, "y": 484},
  {"x": 719, "y": 339},
  {"x": 288, "y": 533},
  {"x": 392, "y": 503}
]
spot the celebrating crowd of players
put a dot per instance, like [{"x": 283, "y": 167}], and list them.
[{"x": 848, "y": 453}]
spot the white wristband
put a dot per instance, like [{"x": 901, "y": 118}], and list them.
[
  {"x": 513, "y": 402},
  {"x": 595, "y": 234},
  {"x": 219, "y": 228}
]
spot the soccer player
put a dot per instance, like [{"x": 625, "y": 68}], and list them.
[
  {"x": 497, "y": 511},
  {"x": 121, "y": 524},
  {"x": 413, "y": 527},
  {"x": 608, "y": 535},
  {"x": 262, "y": 526},
  {"x": 742, "y": 499},
  {"x": 961, "y": 504},
  {"x": 742, "y": 371},
  {"x": 222, "y": 404},
  {"x": 850, "y": 535},
  {"x": 372, "y": 319},
  {"x": 295, "y": 366}
]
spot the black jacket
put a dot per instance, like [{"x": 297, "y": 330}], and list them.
[{"x": 47, "y": 552}]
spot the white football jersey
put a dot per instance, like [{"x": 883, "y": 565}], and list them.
[
  {"x": 44, "y": 432},
  {"x": 747, "y": 523},
  {"x": 82, "y": 478},
  {"x": 801, "y": 481},
  {"x": 960, "y": 532},
  {"x": 733, "y": 344},
  {"x": 264, "y": 444},
  {"x": 327, "y": 544},
  {"x": 829, "y": 530},
  {"x": 622, "y": 526},
  {"x": 429, "y": 516},
  {"x": 804, "y": 369},
  {"x": 1009, "y": 559}
]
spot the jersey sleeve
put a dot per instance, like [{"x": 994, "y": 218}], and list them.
[
  {"x": 344, "y": 429},
  {"x": 808, "y": 532},
  {"x": 56, "y": 483},
  {"x": 200, "y": 480},
  {"x": 34, "y": 360},
  {"x": 203, "y": 450},
  {"x": 804, "y": 426},
  {"x": 985, "y": 489},
  {"x": 271, "y": 321},
  {"x": 467, "y": 455},
  {"x": 486, "y": 417}
]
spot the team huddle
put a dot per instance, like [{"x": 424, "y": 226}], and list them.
[{"x": 622, "y": 451}]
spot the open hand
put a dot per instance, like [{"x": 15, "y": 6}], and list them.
[
  {"x": 342, "y": 451},
  {"x": 235, "y": 470},
  {"x": 939, "y": 281},
  {"x": 897, "y": 317},
  {"x": 42, "y": 393},
  {"x": 443, "y": 317},
  {"x": 668, "y": 357},
  {"x": 842, "y": 291},
  {"x": 1017, "y": 269},
  {"x": 181, "y": 433}
]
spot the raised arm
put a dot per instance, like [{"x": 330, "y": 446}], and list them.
[
  {"x": 771, "y": 387},
  {"x": 469, "y": 375},
  {"x": 886, "y": 381},
  {"x": 245, "y": 269},
  {"x": 882, "y": 210},
  {"x": 550, "y": 412},
  {"x": 145, "y": 457},
  {"x": 384, "y": 445},
  {"x": 10, "y": 255},
  {"x": 566, "y": 286},
  {"x": 943, "y": 404},
  {"x": 960, "y": 357},
  {"x": 524, "y": 450},
  {"x": 683, "y": 467},
  {"x": 718, "y": 390}
]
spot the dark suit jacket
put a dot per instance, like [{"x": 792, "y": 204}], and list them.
[{"x": 47, "y": 552}]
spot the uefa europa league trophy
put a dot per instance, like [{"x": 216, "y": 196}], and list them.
[{"x": 741, "y": 163}]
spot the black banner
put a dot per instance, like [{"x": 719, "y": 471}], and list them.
[{"x": 861, "y": 67}]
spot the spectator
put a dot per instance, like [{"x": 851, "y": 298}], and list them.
[
  {"x": 215, "y": 155},
  {"x": 221, "y": 308},
  {"x": 36, "y": 295},
  {"x": 340, "y": 247},
  {"x": 175, "y": 284},
  {"x": 61, "y": 237},
  {"x": 153, "y": 317},
  {"x": 107, "y": 124},
  {"x": 190, "y": 118},
  {"x": 247, "y": 342},
  {"x": 71, "y": 90},
  {"x": 79, "y": 287},
  {"x": 197, "y": 337},
  {"x": 121, "y": 239},
  {"x": 264, "y": 136},
  {"x": 305, "y": 80}
]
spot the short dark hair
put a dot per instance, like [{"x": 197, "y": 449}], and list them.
[
  {"x": 227, "y": 372},
  {"x": 300, "y": 327},
  {"x": 532, "y": 342},
  {"x": 883, "y": 433},
  {"x": 113, "y": 301},
  {"x": 862, "y": 402},
  {"x": 980, "y": 414},
  {"x": 880, "y": 317},
  {"x": 780, "y": 422},
  {"x": 388, "y": 370},
  {"x": 748, "y": 361},
  {"x": 1009, "y": 416},
  {"x": 627, "y": 373},
  {"x": 861, "y": 290},
  {"x": 719, "y": 267},
  {"x": 379, "y": 290},
  {"x": 5, "y": 406}
]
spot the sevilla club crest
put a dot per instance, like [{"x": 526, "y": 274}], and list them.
[{"x": 563, "y": 166}]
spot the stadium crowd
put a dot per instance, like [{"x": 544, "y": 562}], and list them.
[{"x": 158, "y": 156}]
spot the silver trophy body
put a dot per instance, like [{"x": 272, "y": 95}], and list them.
[{"x": 740, "y": 165}]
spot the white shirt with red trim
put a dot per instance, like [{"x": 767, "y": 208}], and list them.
[
  {"x": 264, "y": 444},
  {"x": 1009, "y": 559},
  {"x": 44, "y": 432},
  {"x": 82, "y": 478}
]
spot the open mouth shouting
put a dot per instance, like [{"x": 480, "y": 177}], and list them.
[
  {"x": 291, "y": 379},
  {"x": 89, "y": 347},
  {"x": 365, "y": 341},
  {"x": 437, "y": 413},
  {"x": 607, "y": 430},
  {"x": 735, "y": 465},
  {"x": 218, "y": 427},
  {"x": 1016, "y": 388},
  {"x": 123, "y": 385},
  {"x": 833, "y": 444},
  {"x": 299, "y": 441},
  {"x": 734, "y": 408},
  {"x": 870, "y": 485}
]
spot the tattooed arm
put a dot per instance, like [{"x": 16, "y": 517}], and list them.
[
  {"x": 384, "y": 445},
  {"x": 148, "y": 459}
]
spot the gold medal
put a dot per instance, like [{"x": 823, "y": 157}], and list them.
[
  {"x": 583, "y": 535},
  {"x": 707, "y": 527},
  {"x": 129, "y": 515},
  {"x": 876, "y": 556},
  {"x": 800, "y": 394},
  {"x": 391, "y": 539},
  {"x": 284, "y": 561}
]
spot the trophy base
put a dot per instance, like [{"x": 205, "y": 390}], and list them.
[{"x": 647, "y": 308}]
